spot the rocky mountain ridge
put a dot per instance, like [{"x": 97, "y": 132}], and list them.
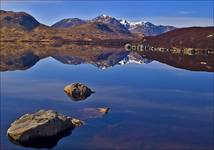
[{"x": 121, "y": 25}]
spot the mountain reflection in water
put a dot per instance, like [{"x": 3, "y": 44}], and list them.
[
  {"x": 23, "y": 56},
  {"x": 152, "y": 105}
]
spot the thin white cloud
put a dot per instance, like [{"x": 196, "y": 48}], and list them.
[
  {"x": 184, "y": 12},
  {"x": 181, "y": 21}
]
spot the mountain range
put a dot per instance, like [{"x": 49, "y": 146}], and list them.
[
  {"x": 139, "y": 28},
  {"x": 103, "y": 22},
  {"x": 146, "y": 28},
  {"x": 104, "y": 29},
  {"x": 20, "y": 24}
]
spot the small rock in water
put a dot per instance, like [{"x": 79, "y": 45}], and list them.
[
  {"x": 77, "y": 122},
  {"x": 88, "y": 113},
  {"x": 41, "y": 129},
  {"x": 103, "y": 110},
  {"x": 78, "y": 91}
]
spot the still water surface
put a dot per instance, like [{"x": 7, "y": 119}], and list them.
[{"x": 152, "y": 106}]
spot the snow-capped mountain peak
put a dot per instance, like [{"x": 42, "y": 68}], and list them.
[
  {"x": 139, "y": 28},
  {"x": 130, "y": 25},
  {"x": 105, "y": 16},
  {"x": 136, "y": 23},
  {"x": 145, "y": 28},
  {"x": 126, "y": 22}
]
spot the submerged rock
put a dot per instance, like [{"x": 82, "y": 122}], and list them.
[
  {"x": 103, "y": 110},
  {"x": 41, "y": 128},
  {"x": 88, "y": 113},
  {"x": 77, "y": 122},
  {"x": 78, "y": 91}
]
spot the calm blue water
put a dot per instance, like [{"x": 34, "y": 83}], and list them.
[{"x": 152, "y": 106}]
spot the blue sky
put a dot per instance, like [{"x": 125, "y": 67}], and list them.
[{"x": 178, "y": 13}]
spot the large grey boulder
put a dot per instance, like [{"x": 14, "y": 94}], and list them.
[
  {"x": 40, "y": 126},
  {"x": 78, "y": 91}
]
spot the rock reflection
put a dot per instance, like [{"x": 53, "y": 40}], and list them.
[
  {"x": 91, "y": 113},
  {"x": 47, "y": 142}
]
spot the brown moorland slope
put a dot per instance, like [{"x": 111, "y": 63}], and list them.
[
  {"x": 192, "y": 37},
  {"x": 20, "y": 26}
]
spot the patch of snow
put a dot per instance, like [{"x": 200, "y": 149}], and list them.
[
  {"x": 136, "y": 23},
  {"x": 203, "y": 63},
  {"x": 123, "y": 62},
  {"x": 105, "y": 16},
  {"x": 124, "y": 22},
  {"x": 69, "y": 20},
  {"x": 211, "y": 35},
  {"x": 133, "y": 60}
]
